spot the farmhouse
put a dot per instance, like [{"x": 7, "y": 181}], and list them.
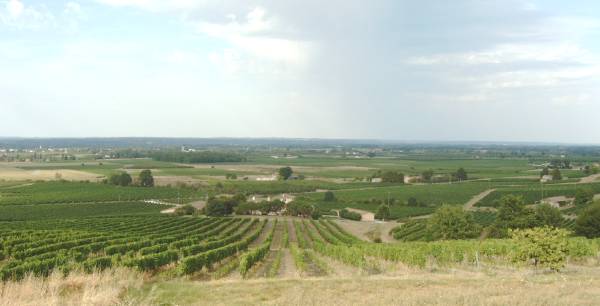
[{"x": 546, "y": 178}]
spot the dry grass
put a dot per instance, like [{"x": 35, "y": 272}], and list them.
[
  {"x": 495, "y": 286},
  {"x": 580, "y": 286},
  {"x": 361, "y": 229},
  {"x": 106, "y": 288},
  {"x": 15, "y": 174}
]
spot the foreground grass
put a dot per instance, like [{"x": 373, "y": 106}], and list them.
[
  {"x": 577, "y": 285},
  {"x": 580, "y": 286},
  {"x": 107, "y": 288}
]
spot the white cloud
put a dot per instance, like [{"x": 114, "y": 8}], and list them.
[
  {"x": 512, "y": 53},
  {"x": 16, "y": 14},
  {"x": 15, "y": 8},
  {"x": 157, "y": 5},
  {"x": 254, "y": 36}
]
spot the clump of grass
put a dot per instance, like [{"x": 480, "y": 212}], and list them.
[{"x": 77, "y": 288}]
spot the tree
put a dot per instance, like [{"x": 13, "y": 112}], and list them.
[
  {"x": 383, "y": 212},
  {"x": 412, "y": 202},
  {"x": 543, "y": 246},
  {"x": 427, "y": 175},
  {"x": 285, "y": 173},
  {"x": 588, "y": 222},
  {"x": 583, "y": 197},
  {"x": 216, "y": 209},
  {"x": 316, "y": 214},
  {"x": 392, "y": 177},
  {"x": 556, "y": 176},
  {"x": 512, "y": 214},
  {"x": 545, "y": 171},
  {"x": 301, "y": 209},
  {"x": 120, "y": 179},
  {"x": 546, "y": 215},
  {"x": 346, "y": 214},
  {"x": 461, "y": 174},
  {"x": 451, "y": 222},
  {"x": 146, "y": 178},
  {"x": 329, "y": 196},
  {"x": 185, "y": 210}
]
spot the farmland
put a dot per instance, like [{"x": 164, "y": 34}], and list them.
[{"x": 56, "y": 228}]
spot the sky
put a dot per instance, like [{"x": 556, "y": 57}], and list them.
[{"x": 461, "y": 70}]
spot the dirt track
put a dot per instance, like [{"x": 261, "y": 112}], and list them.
[{"x": 470, "y": 205}]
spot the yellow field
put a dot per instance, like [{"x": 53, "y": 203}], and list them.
[
  {"x": 15, "y": 174},
  {"x": 576, "y": 286}
]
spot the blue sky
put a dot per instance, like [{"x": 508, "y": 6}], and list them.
[{"x": 407, "y": 70}]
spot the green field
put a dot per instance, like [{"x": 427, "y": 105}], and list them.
[
  {"x": 535, "y": 192},
  {"x": 78, "y": 210},
  {"x": 74, "y": 192}
]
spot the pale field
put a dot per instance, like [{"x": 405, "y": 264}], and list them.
[
  {"x": 163, "y": 180},
  {"x": 362, "y": 229},
  {"x": 15, "y": 174},
  {"x": 577, "y": 285}
]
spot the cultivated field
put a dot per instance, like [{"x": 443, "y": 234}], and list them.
[{"x": 72, "y": 237}]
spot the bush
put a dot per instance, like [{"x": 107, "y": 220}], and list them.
[
  {"x": 329, "y": 196},
  {"x": 316, "y": 214},
  {"x": 546, "y": 215},
  {"x": 346, "y": 214},
  {"x": 392, "y": 177},
  {"x": 383, "y": 212},
  {"x": 542, "y": 246},
  {"x": 449, "y": 222},
  {"x": 185, "y": 210},
  {"x": 121, "y": 179},
  {"x": 588, "y": 222},
  {"x": 584, "y": 197}
]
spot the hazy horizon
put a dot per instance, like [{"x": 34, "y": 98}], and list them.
[{"x": 429, "y": 71}]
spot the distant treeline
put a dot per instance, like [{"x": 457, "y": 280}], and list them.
[{"x": 197, "y": 157}]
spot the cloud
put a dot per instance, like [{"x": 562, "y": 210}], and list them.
[
  {"x": 15, "y": 8},
  {"x": 16, "y": 14},
  {"x": 252, "y": 40}
]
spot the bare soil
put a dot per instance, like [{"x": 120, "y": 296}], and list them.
[{"x": 361, "y": 229}]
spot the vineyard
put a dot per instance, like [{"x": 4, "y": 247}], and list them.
[
  {"x": 225, "y": 247},
  {"x": 75, "y": 192},
  {"x": 533, "y": 193}
]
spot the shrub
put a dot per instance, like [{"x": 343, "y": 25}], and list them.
[
  {"x": 329, "y": 196},
  {"x": 583, "y": 197},
  {"x": 346, "y": 214},
  {"x": 185, "y": 210},
  {"x": 383, "y": 212},
  {"x": 449, "y": 222},
  {"x": 546, "y": 215},
  {"x": 542, "y": 246},
  {"x": 588, "y": 222}
]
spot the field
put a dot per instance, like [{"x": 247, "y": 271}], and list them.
[
  {"x": 535, "y": 192},
  {"x": 75, "y": 192},
  {"x": 95, "y": 243},
  {"x": 309, "y": 256}
]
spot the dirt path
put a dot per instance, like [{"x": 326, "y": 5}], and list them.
[
  {"x": 590, "y": 179},
  {"x": 470, "y": 205},
  {"x": 263, "y": 235},
  {"x": 291, "y": 231},
  {"x": 288, "y": 267}
]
